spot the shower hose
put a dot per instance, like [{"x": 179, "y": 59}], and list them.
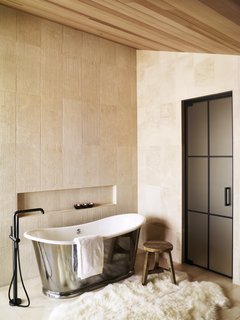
[{"x": 11, "y": 301}]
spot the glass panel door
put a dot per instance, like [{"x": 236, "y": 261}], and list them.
[
  {"x": 198, "y": 238},
  {"x": 221, "y": 186},
  {"x": 198, "y": 184},
  {"x": 220, "y": 119},
  {"x": 208, "y": 182},
  {"x": 197, "y": 129},
  {"x": 220, "y": 245}
]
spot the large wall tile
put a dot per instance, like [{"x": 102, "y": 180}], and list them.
[
  {"x": 51, "y": 142},
  {"x": 28, "y": 68},
  {"x": 90, "y": 48},
  {"x": 126, "y": 199},
  {"x": 28, "y": 155},
  {"x": 90, "y": 124},
  {"x": 7, "y": 23},
  {"x": 7, "y": 65},
  {"x": 108, "y": 119},
  {"x": 204, "y": 71},
  {"x": 90, "y": 81},
  {"x": 6, "y": 264},
  {"x": 51, "y": 74},
  {"x": 51, "y": 37},
  {"x": 72, "y": 143},
  {"x": 107, "y": 52},
  {"x": 71, "y": 77},
  {"x": 7, "y": 153},
  {"x": 28, "y": 29},
  {"x": 126, "y": 125},
  {"x": 108, "y": 84},
  {"x": 90, "y": 169},
  {"x": 124, "y": 165},
  {"x": 72, "y": 42},
  {"x": 124, "y": 88},
  {"x": 108, "y": 165},
  {"x": 124, "y": 56}
]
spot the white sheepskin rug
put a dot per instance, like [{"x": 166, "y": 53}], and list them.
[{"x": 159, "y": 299}]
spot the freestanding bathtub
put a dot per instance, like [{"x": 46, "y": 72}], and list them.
[{"x": 54, "y": 249}]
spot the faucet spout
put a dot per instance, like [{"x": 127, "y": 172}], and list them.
[
  {"x": 15, "y": 229},
  {"x": 28, "y": 211}
]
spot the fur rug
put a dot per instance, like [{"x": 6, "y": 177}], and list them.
[{"x": 159, "y": 299}]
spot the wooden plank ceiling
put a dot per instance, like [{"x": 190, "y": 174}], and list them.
[{"x": 211, "y": 26}]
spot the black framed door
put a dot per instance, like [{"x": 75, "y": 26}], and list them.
[{"x": 208, "y": 182}]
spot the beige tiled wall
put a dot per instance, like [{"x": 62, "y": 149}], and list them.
[
  {"x": 67, "y": 120},
  {"x": 163, "y": 81}
]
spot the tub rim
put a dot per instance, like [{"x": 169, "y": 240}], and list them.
[{"x": 141, "y": 217}]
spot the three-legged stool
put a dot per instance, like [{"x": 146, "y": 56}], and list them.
[{"x": 157, "y": 247}]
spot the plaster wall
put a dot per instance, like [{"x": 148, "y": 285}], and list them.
[{"x": 164, "y": 79}]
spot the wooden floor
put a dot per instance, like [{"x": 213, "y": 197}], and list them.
[{"x": 41, "y": 306}]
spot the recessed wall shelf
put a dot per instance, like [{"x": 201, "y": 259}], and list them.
[{"x": 64, "y": 200}]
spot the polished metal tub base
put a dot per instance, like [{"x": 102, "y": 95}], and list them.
[
  {"x": 59, "y": 277},
  {"x": 74, "y": 293}
]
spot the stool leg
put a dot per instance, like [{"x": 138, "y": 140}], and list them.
[
  {"x": 172, "y": 268},
  {"x": 145, "y": 269},
  {"x": 156, "y": 260}
]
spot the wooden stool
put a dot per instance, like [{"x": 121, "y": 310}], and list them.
[{"x": 157, "y": 247}]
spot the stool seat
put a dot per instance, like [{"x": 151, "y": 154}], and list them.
[{"x": 156, "y": 248}]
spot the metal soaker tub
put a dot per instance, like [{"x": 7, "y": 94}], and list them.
[{"x": 54, "y": 249}]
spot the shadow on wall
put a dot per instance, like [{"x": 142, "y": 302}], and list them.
[{"x": 153, "y": 229}]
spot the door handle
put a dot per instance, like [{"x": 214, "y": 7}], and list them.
[{"x": 227, "y": 196}]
